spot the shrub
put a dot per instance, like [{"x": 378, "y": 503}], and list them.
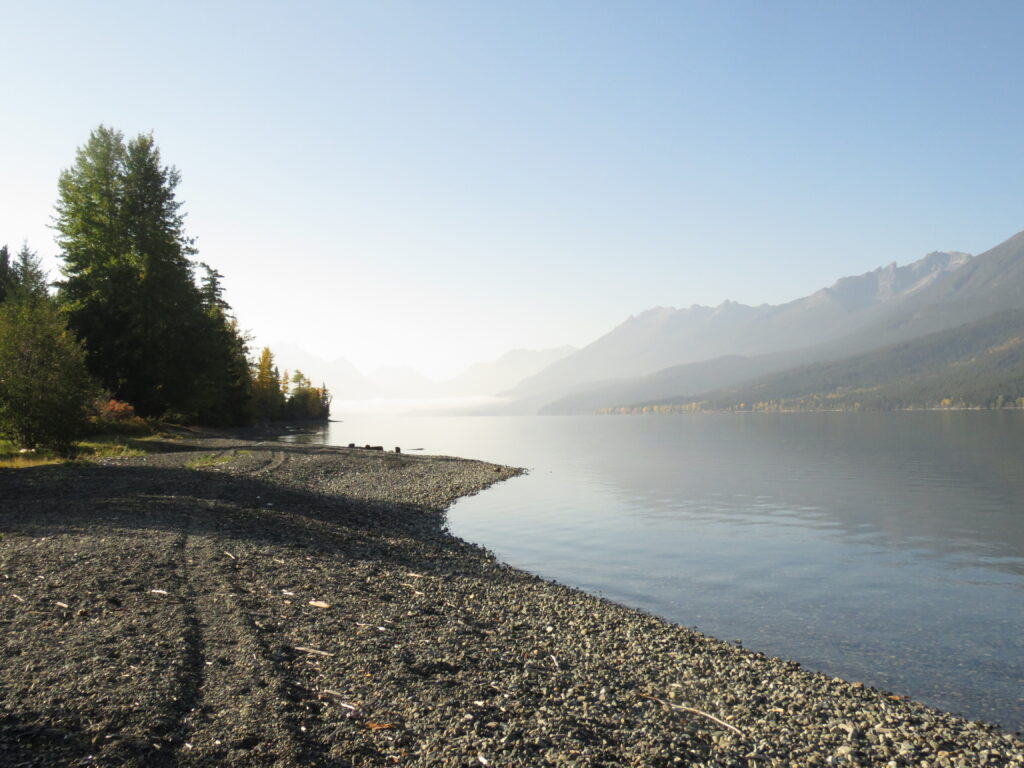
[
  {"x": 116, "y": 410},
  {"x": 117, "y": 417},
  {"x": 45, "y": 389}
]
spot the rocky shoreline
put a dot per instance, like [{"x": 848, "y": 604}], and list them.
[{"x": 246, "y": 603}]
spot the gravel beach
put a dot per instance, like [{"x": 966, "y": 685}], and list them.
[{"x": 245, "y": 603}]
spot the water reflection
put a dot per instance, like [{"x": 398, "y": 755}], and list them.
[{"x": 882, "y": 547}]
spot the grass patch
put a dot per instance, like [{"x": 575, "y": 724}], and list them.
[
  {"x": 11, "y": 457},
  {"x": 28, "y": 460},
  {"x": 208, "y": 460},
  {"x": 109, "y": 448},
  {"x": 103, "y": 446}
]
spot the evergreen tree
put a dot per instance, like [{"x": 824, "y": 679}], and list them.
[
  {"x": 286, "y": 397},
  {"x": 129, "y": 286},
  {"x": 6, "y": 275},
  {"x": 304, "y": 401},
  {"x": 211, "y": 290},
  {"x": 28, "y": 279},
  {"x": 227, "y": 384},
  {"x": 22, "y": 279}
]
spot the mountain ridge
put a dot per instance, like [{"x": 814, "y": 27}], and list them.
[
  {"x": 400, "y": 381},
  {"x": 663, "y": 337},
  {"x": 974, "y": 365},
  {"x": 975, "y": 289}
]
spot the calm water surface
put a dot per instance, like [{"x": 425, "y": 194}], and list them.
[{"x": 885, "y": 548}]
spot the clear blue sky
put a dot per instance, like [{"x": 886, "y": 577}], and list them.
[{"x": 435, "y": 183}]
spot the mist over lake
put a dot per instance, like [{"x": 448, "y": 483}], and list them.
[{"x": 883, "y": 548}]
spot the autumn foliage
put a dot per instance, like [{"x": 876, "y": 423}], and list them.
[{"x": 277, "y": 397}]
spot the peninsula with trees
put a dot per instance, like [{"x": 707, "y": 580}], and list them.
[{"x": 137, "y": 326}]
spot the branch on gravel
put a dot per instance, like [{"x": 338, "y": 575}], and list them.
[
  {"x": 316, "y": 651},
  {"x": 711, "y": 717}
]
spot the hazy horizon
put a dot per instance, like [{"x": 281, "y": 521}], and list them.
[
  {"x": 433, "y": 186},
  {"x": 284, "y": 347}
]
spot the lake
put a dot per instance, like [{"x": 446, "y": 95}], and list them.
[{"x": 885, "y": 548}]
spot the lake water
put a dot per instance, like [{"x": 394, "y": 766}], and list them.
[{"x": 885, "y": 548}]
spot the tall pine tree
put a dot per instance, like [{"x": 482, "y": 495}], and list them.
[{"x": 129, "y": 284}]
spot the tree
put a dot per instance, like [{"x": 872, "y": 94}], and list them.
[
  {"x": 45, "y": 388},
  {"x": 6, "y": 275},
  {"x": 267, "y": 397},
  {"x": 286, "y": 397},
  {"x": 28, "y": 279},
  {"x": 306, "y": 402},
  {"x": 129, "y": 284},
  {"x": 212, "y": 291},
  {"x": 227, "y": 385},
  {"x": 22, "y": 279}
]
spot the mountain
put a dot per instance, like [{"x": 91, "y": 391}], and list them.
[
  {"x": 504, "y": 373},
  {"x": 487, "y": 378},
  {"x": 666, "y": 384},
  {"x": 401, "y": 381},
  {"x": 342, "y": 377},
  {"x": 990, "y": 282},
  {"x": 979, "y": 364},
  {"x": 665, "y": 336},
  {"x": 893, "y": 282},
  {"x": 347, "y": 383},
  {"x": 978, "y": 288}
]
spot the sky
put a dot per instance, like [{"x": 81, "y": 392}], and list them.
[{"x": 436, "y": 183}]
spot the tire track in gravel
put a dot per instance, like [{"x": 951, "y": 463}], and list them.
[
  {"x": 277, "y": 458},
  {"x": 232, "y": 677}
]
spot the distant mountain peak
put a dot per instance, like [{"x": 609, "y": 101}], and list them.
[
  {"x": 893, "y": 281},
  {"x": 661, "y": 337}
]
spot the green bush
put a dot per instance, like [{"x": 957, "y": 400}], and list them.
[{"x": 45, "y": 390}]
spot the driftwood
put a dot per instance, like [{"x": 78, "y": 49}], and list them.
[
  {"x": 691, "y": 710},
  {"x": 353, "y": 707},
  {"x": 316, "y": 651}
]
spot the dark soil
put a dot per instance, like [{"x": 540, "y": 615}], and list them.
[{"x": 232, "y": 602}]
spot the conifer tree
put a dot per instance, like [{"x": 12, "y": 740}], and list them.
[
  {"x": 129, "y": 286},
  {"x": 28, "y": 279},
  {"x": 6, "y": 276}
]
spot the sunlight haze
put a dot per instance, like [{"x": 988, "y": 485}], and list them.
[{"x": 435, "y": 184}]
